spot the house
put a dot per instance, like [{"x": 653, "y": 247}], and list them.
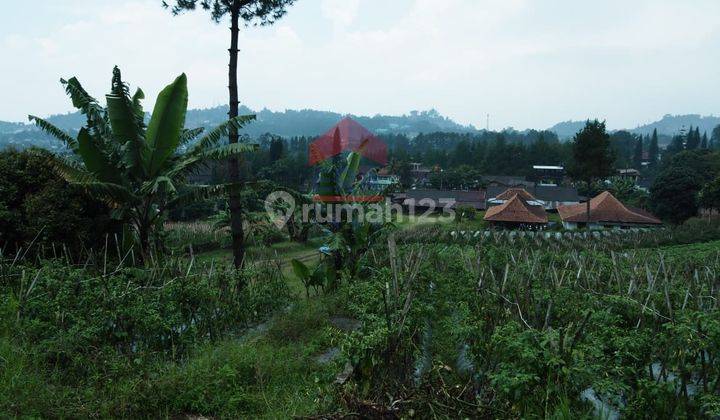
[
  {"x": 629, "y": 173},
  {"x": 509, "y": 193},
  {"x": 381, "y": 180},
  {"x": 548, "y": 196},
  {"x": 548, "y": 174},
  {"x": 437, "y": 200},
  {"x": 420, "y": 174},
  {"x": 606, "y": 211},
  {"x": 517, "y": 211},
  {"x": 505, "y": 181}
]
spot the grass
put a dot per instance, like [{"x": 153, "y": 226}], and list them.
[
  {"x": 267, "y": 375},
  {"x": 281, "y": 252},
  {"x": 261, "y": 375}
]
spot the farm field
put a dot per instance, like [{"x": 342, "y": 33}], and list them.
[
  {"x": 452, "y": 329},
  {"x": 333, "y": 209}
]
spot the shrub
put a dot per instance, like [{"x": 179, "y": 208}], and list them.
[
  {"x": 515, "y": 330},
  {"x": 78, "y": 315},
  {"x": 36, "y": 204}
]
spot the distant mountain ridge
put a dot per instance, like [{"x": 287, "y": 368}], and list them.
[
  {"x": 305, "y": 122},
  {"x": 286, "y": 123},
  {"x": 668, "y": 125},
  {"x": 308, "y": 122}
]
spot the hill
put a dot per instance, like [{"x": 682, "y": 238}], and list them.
[
  {"x": 668, "y": 125},
  {"x": 288, "y": 123}
]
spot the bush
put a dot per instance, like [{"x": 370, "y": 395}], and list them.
[
  {"x": 87, "y": 342},
  {"x": 674, "y": 194},
  {"x": 301, "y": 322},
  {"x": 77, "y": 316},
  {"x": 36, "y": 204},
  {"x": 514, "y": 330}
]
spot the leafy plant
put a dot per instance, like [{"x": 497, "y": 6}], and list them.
[
  {"x": 138, "y": 169},
  {"x": 349, "y": 236}
]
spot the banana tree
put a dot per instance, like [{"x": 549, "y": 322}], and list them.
[
  {"x": 349, "y": 236},
  {"x": 140, "y": 170}
]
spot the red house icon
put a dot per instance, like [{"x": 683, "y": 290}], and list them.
[{"x": 347, "y": 135}]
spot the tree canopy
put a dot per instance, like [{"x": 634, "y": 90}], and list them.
[{"x": 591, "y": 152}]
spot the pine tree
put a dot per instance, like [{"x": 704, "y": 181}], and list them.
[
  {"x": 715, "y": 138},
  {"x": 692, "y": 142},
  {"x": 653, "y": 149},
  {"x": 637, "y": 154},
  {"x": 704, "y": 143},
  {"x": 249, "y": 12}
]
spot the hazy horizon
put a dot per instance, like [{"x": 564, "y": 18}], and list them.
[{"x": 529, "y": 64}]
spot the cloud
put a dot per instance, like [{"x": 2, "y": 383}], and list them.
[
  {"x": 528, "y": 63},
  {"x": 341, "y": 13}
]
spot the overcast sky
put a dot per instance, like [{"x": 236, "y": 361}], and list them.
[{"x": 527, "y": 63}]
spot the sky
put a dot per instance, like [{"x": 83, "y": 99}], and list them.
[{"x": 526, "y": 63}]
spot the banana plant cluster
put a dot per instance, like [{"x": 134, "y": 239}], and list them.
[
  {"x": 348, "y": 236},
  {"x": 140, "y": 169}
]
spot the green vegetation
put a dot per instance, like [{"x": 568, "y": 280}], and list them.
[
  {"x": 490, "y": 326},
  {"x": 36, "y": 205},
  {"x": 142, "y": 276},
  {"x": 137, "y": 169}
]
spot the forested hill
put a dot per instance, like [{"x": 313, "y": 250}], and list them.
[
  {"x": 669, "y": 125},
  {"x": 308, "y": 122},
  {"x": 287, "y": 123}
]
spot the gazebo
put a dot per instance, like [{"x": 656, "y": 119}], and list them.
[
  {"x": 516, "y": 212},
  {"x": 606, "y": 211}
]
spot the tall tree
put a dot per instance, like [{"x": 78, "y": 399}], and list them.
[
  {"x": 704, "y": 142},
  {"x": 693, "y": 139},
  {"x": 653, "y": 149},
  {"x": 637, "y": 154},
  {"x": 592, "y": 156},
  {"x": 674, "y": 194},
  {"x": 276, "y": 148},
  {"x": 715, "y": 137},
  {"x": 251, "y": 12}
]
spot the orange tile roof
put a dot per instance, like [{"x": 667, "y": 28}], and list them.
[
  {"x": 511, "y": 192},
  {"x": 606, "y": 208},
  {"x": 516, "y": 210}
]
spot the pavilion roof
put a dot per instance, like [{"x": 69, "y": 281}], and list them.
[
  {"x": 516, "y": 210},
  {"x": 608, "y": 209}
]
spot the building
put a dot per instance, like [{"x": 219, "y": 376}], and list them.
[
  {"x": 548, "y": 174},
  {"x": 420, "y": 174},
  {"x": 506, "y": 181},
  {"x": 437, "y": 200},
  {"x": 629, "y": 173},
  {"x": 381, "y": 180},
  {"x": 516, "y": 212},
  {"x": 547, "y": 196},
  {"x": 605, "y": 211},
  {"x": 509, "y": 193}
]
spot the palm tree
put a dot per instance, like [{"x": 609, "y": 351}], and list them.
[{"x": 138, "y": 169}]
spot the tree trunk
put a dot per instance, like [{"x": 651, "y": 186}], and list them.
[
  {"x": 236, "y": 226},
  {"x": 587, "y": 210},
  {"x": 144, "y": 239}
]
